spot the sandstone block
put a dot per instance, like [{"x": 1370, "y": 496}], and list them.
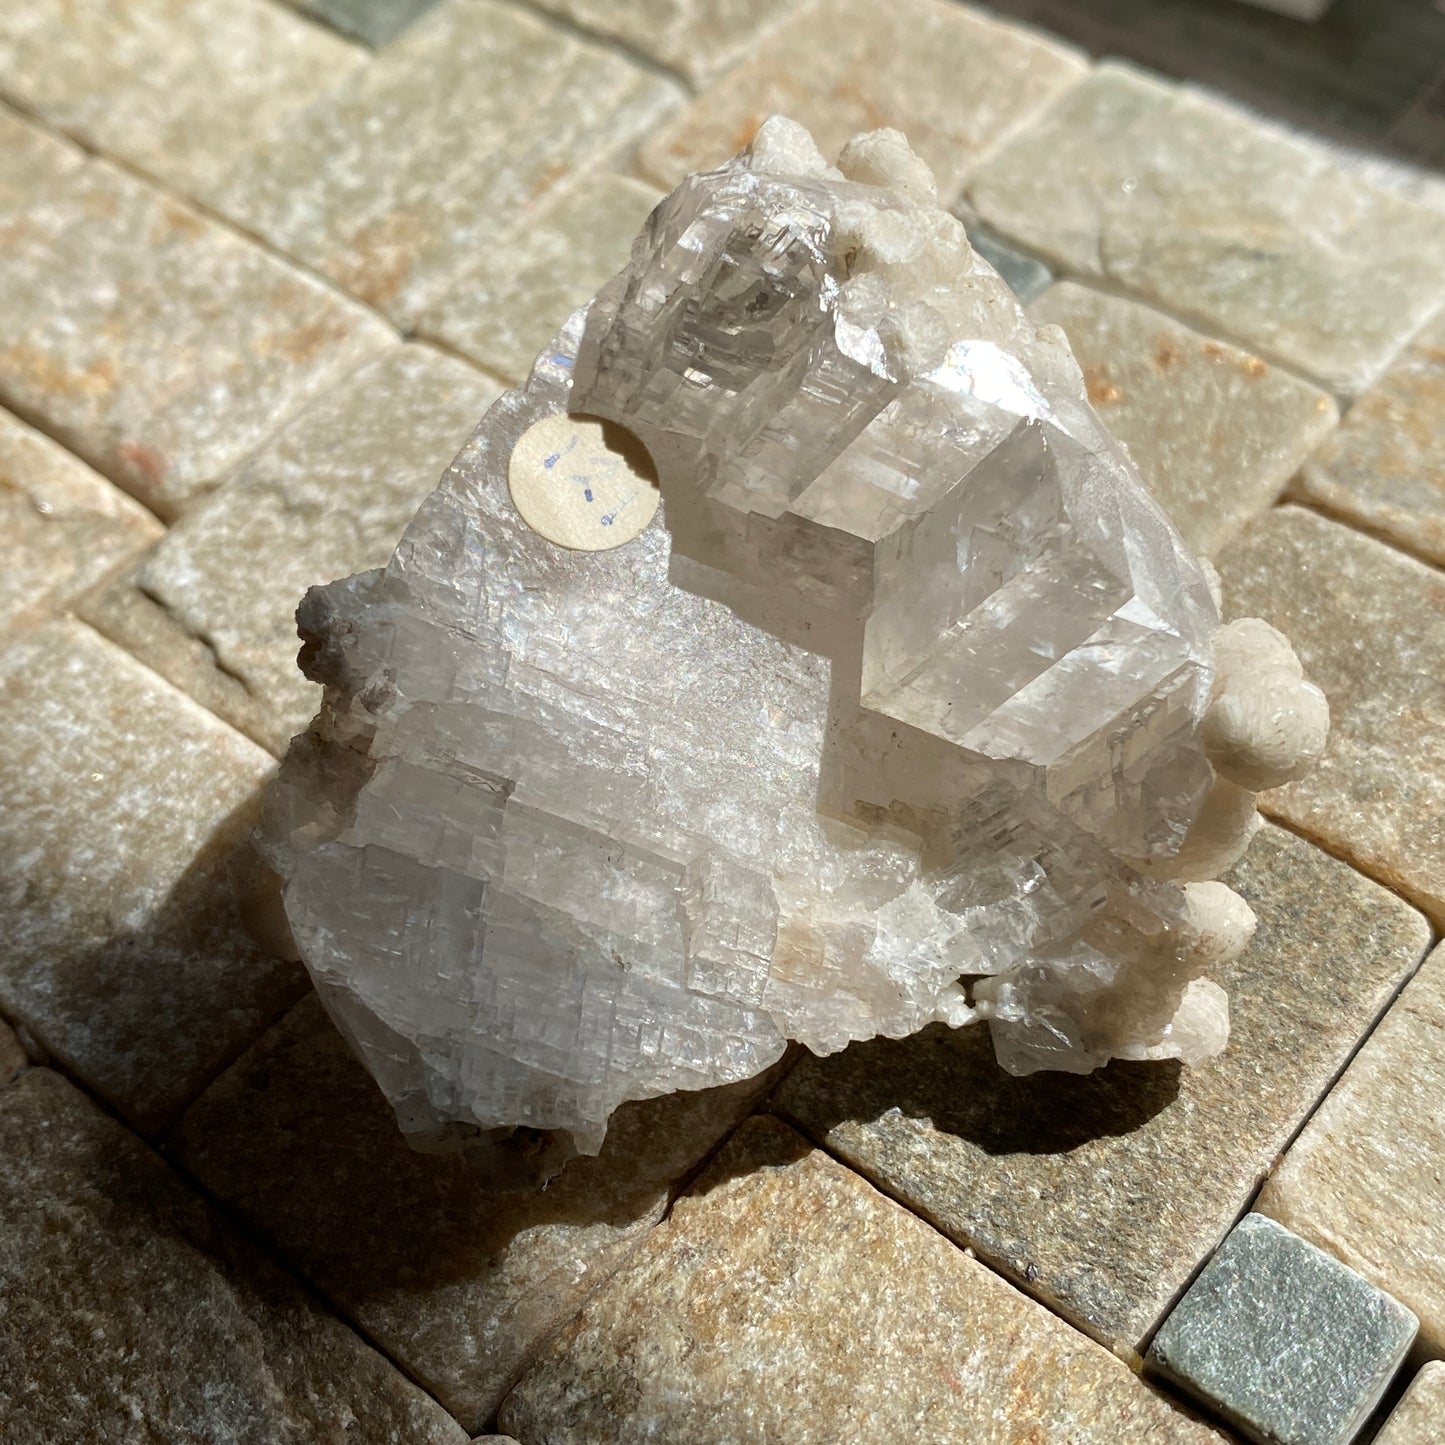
[
  {"x": 1216, "y": 432},
  {"x": 393, "y": 184},
  {"x": 155, "y": 344},
  {"x": 213, "y": 607},
  {"x": 1222, "y": 219},
  {"x": 1102, "y": 1195},
  {"x": 503, "y": 310},
  {"x": 1385, "y": 470},
  {"x": 62, "y": 527},
  {"x": 175, "y": 90},
  {"x": 133, "y": 1312},
  {"x": 1369, "y": 626},
  {"x": 1364, "y": 1179},
  {"x": 120, "y": 805},
  {"x": 954, "y": 81},
  {"x": 458, "y": 1282},
  {"x": 781, "y": 1277}
]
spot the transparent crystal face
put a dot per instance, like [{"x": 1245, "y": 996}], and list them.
[{"x": 902, "y": 688}]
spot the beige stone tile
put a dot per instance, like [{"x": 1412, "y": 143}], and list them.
[
  {"x": 504, "y": 309},
  {"x": 1223, "y": 220},
  {"x": 953, "y": 80},
  {"x": 1385, "y": 471},
  {"x": 120, "y": 804},
  {"x": 62, "y": 527},
  {"x": 155, "y": 344},
  {"x": 1417, "y": 1419},
  {"x": 788, "y": 1298},
  {"x": 1216, "y": 432},
  {"x": 132, "y": 1312},
  {"x": 698, "y": 38},
  {"x": 456, "y": 1282},
  {"x": 212, "y": 608},
  {"x": 1366, "y": 1179},
  {"x": 1369, "y": 626},
  {"x": 1102, "y": 1194},
  {"x": 175, "y": 90},
  {"x": 403, "y": 178},
  {"x": 30, "y": 158}
]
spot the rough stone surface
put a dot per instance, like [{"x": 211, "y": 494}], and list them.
[
  {"x": 132, "y": 1312},
  {"x": 1237, "y": 227},
  {"x": 1369, "y": 626},
  {"x": 120, "y": 803},
  {"x": 1101, "y": 1195},
  {"x": 1283, "y": 1340},
  {"x": 1419, "y": 1418},
  {"x": 456, "y": 1282},
  {"x": 13, "y": 1057},
  {"x": 697, "y": 38},
  {"x": 1215, "y": 432},
  {"x": 953, "y": 81},
  {"x": 374, "y": 22},
  {"x": 1385, "y": 471},
  {"x": 1364, "y": 1180},
  {"x": 392, "y": 185},
  {"x": 155, "y": 344},
  {"x": 781, "y": 1277},
  {"x": 213, "y": 607},
  {"x": 62, "y": 528},
  {"x": 175, "y": 90},
  {"x": 505, "y": 307},
  {"x": 30, "y": 159}
]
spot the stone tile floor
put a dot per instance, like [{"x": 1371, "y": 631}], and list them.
[{"x": 261, "y": 268}]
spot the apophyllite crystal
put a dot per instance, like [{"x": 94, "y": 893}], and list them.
[{"x": 908, "y": 706}]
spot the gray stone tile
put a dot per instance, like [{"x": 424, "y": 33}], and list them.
[
  {"x": 1025, "y": 276},
  {"x": 1369, "y": 626},
  {"x": 1385, "y": 471},
  {"x": 155, "y": 344},
  {"x": 505, "y": 307},
  {"x": 789, "y": 1299},
  {"x": 458, "y": 1283},
  {"x": 1102, "y": 1194},
  {"x": 1417, "y": 1419},
  {"x": 212, "y": 607},
  {"x": 62, "y": 527},
  {"x": 132, "y": 1312},
  {"x": 401, "y": 180},
  {"x": 954, "y": 81},
  {"x": 698, "y": 38},
  {"x": 1216, "y": 432},
  {"x": 1364, "y": 1179},
  {"x": 175, "y": 90},
  {"x": 1284, "y": 1341},
  {"x": 120, "y": 803},
  {"x": 373, "y": 22},
  {"x": 1229, "y": 223}
]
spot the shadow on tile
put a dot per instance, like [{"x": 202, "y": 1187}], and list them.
[
  {"x": 143, "y": 988},
  {"x": 456, "y": 1281}
]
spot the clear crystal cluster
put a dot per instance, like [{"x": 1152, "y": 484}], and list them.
[{"x": 910, "y": 706}]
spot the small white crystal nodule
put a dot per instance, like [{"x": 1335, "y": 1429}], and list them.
[{"x": 903, "y": 709}]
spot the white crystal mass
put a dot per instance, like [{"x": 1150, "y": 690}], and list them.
[{"x": 904, "y": 709}]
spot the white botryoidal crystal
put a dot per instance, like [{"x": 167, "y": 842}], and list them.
[{"x": 904, "y": 708}]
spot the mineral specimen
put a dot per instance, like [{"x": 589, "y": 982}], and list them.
[{"x": 907, "y": 706}]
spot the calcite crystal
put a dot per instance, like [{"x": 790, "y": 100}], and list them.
[{"x": 907, "y": 706}]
